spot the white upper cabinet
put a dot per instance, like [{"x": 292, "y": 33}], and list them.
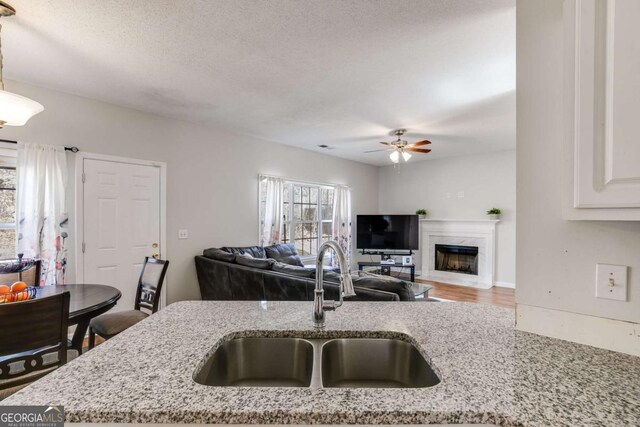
[{"x": 602, "y": 107}]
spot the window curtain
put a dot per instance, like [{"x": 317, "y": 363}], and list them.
[
  {"x": 272, "y": 224},
  {"x": 42, "y": 223},
  {"x": 341, "y": 219}
]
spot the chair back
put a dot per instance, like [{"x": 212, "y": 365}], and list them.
[
  {"x": 150, "y": 284},
  {"x": 32, "y": 332},
  {"x": 30, "y": 276}
]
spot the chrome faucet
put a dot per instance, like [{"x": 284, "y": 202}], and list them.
[{"x": 346, "y": 285}]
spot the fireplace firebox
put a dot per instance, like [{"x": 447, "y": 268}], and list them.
[{"x": 457, "y": 259}]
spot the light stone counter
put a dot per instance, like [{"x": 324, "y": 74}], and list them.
[{"x": 491, "y": 374}]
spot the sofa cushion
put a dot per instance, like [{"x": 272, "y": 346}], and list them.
[
  {"x": 254, "y": 251},
  {"x": 294, "y": 270},
  {"x": 249, "y": 261},
  {"x": 285, "y": 253},
  {"x": 219, "y": 255},
  {"x": 377, "y": 282}
]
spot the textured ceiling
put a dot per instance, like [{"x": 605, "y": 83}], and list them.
[{"x": 343, "y": 73}]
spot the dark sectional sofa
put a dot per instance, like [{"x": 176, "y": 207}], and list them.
[{"x": 276, "y": 273}]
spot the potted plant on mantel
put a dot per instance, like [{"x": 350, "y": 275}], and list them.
[
  {"x": 422, "y": 213},
  {"x": 494, "y": 213}
]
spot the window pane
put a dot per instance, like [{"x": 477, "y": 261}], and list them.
[
  {"x": 326, "y": 231},
  {"x": 8, "y": 178},
  {"x": 313, "y": 195},
  {"x": 8, "y": 206},
  {"x": 297, "y": 194},
  {"x": 310, "y": 213},
  {"x": 297, "y": 211},
  {"x": 7, "y": 244}
]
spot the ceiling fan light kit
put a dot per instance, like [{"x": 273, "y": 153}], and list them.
[
  {"x": 15, "y": 110},
  {"x": 400, "y": 146}
]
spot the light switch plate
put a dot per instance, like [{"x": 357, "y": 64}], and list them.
[
  {"x": 605, "y": 273},
  {"x": 183, "y": 234}
]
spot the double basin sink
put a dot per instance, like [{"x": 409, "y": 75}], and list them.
[{"x": 317, "y": 363}]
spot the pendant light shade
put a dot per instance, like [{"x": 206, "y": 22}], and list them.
[
  {"x": 394, "y": 156},
  {"x": 16, "y": 110},
  {"x": 406, "y": 156}
]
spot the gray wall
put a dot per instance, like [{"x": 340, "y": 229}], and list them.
[
  {"x": 212, "y": 175},
  {"x": 556, "y": 258},
  {"x": 487, "y": 180}
]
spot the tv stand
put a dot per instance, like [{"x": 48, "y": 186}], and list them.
[{"x": 385, "y": 269}]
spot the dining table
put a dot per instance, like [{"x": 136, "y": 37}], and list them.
[{"x": 86, "y": 302}]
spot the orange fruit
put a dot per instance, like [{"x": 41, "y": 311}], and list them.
[
  {"x": 22, "y": 296},
  {"x": 18, "y": 286},
  {"x": 4, "y": 289}
]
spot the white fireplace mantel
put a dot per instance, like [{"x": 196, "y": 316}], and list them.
[{"x": 474, "y": 232}]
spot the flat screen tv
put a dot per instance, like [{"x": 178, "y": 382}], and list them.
[{"x": 387, "y": 232}]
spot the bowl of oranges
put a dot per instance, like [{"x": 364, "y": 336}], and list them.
[{"x": 19, "y": 291}]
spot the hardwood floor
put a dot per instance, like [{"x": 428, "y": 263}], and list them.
[{"x": 502, "y": 297}]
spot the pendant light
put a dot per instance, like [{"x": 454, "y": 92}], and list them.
[
  {"x": 406, "y": 156},
  {"x": 15, "y": 110}
]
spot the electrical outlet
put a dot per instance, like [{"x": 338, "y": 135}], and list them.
[
  {"x": 611, "y": 281},
  {"x": 183, "y": 234}
]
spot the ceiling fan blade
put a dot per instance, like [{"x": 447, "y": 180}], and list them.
[
  {"x": 417, "y": 150},
  {"x": 376, "y": 151},
  {"x": 419, "y": 143},
  {"x": 386, "y": 143}
]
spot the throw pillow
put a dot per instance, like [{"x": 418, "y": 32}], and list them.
[
  {"x": 254, "y": 251},
  {"x": 285, "y": 253},
  {"x": 218, "y": 255}
]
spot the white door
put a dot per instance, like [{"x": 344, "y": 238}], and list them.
[{"x": 121, "y": 223}]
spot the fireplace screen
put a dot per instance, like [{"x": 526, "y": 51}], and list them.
[{"x": 457, "y": 259}]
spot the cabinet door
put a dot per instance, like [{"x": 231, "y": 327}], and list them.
[{"x": 605, "y": 96}]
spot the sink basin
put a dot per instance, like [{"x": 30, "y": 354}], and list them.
[
  {"x": 316, "y": 363},
  {"x": 374, "y": 363},
  {"x": 259, "y": 362}
]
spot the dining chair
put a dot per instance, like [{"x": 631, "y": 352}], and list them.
[
  {"x": 34, "y": 340},
  {"x": 147, "y": 297}
]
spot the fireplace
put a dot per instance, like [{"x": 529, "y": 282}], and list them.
[{"x": 456, "y": 259}]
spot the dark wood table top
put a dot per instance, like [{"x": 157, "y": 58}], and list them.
[{"x": 85, "y": 299}]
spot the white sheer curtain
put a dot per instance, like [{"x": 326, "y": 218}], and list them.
[
  {"x": 271, "y": 222},
  {"x": 40, "y": 208},
  {"x": 341, "y": 219}
]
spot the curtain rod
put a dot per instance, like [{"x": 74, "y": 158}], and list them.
[
  {"x": 300, "y": 181},
  {"x": 72, "y": 149}
]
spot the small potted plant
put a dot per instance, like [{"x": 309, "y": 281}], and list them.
[
  {"x": 494, "y": 213},
  {"x": 422, "y": 213}
]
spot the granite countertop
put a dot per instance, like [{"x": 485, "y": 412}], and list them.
[{"x": 490, "y": 372}]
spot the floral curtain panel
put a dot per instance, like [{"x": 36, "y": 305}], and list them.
[
  {"x": 341, "y": 219},
  {"x": 42, "y": 223},
  {"x": 271, "y": 222}
]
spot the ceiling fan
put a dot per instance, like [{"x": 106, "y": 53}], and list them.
[{"x": 400, "y": 147}]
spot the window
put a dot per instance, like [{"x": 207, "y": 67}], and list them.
[
  {"x": 307, "y": 211},
  {"x": 7, "y": 212}
]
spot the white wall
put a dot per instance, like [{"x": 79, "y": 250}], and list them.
[
  {"x": 487, "y": 180},
  {"x": 212, "y": 175},
  {"x": 556, "y": 258}
]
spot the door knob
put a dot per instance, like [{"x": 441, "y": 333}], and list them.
[
  {"x": 156, "y": 256},
  {"x": 154, "y": 245}
]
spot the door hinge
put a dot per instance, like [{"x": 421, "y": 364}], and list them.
[
  {"x": 84, "y": 178},
  {"x": 83, "y": 247}
]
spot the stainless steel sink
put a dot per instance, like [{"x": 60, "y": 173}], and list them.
[
  {"x": 259, "y": 362},
  {"x": 317, "y": 363},
  {"x": 374, "y": 363}
]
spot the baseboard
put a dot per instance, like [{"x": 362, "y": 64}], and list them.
[
  {"x": 505, "y": 285},
  {"x": 610, "y": 334}
]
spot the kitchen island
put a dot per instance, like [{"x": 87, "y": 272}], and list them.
[{"x": 490, "y": 373}]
